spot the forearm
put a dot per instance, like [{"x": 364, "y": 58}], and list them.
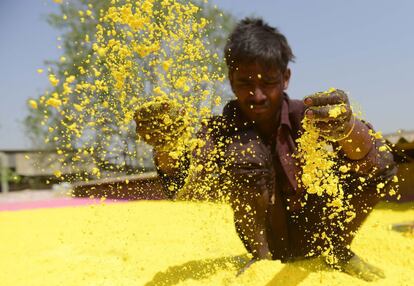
[
  {"x": 250, "y": 220},
  {"x": 165, "y": 163},
  {"x": 368, "y": 155},
  {"x": 253, "y": 233},
  {"x": 172, "y": 172},
  {"x": 359, "y": 142}
]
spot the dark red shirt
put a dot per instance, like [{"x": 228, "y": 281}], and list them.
[{"x": 237, "y": 161}]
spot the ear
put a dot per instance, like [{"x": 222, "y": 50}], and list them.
[{"x": 286, "y": 78}]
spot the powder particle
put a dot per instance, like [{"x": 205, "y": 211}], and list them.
[
  {"x": 335, "y": 112},
  {"x": 57, "y": 173},
  {"x": 53, "y": 80},
  {"x": 33, "y": 104}
]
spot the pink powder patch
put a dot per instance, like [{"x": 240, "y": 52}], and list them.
[{"x": 52, "y": 203}]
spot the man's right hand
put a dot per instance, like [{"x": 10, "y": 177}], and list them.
[{"x": 160, "y": 122}]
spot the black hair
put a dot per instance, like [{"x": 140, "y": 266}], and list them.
[{"x": 253, "y": 40}]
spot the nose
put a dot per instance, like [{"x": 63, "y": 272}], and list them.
[{"x": 257, "y": 95}]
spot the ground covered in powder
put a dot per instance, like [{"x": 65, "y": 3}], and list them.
[{"x": 167, "y": 243}]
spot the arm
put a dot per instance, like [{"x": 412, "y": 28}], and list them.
[
  {"x": 250, "y": 210},
  {"x": 172, "y": 172},
  {"x": 358, "y": 141},
  {"x": 250, "y": 181},
  {"x": 166, "y": 164},
  {"x": 367, "y": 155},
  {"x": 154, "y": 125},
  {"x": 177, "y": 156}
]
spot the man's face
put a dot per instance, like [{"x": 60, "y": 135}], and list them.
[{"x": 259, "y": 91}]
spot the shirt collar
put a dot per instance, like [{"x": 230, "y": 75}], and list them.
[{"x": 284, "y": 112}]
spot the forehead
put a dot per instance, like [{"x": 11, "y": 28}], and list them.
[{"x": 246, "y": 70}]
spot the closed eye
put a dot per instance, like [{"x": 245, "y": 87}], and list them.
[
  {"x": 273, "y": 82},
  {"x": 244, "y": 83}
]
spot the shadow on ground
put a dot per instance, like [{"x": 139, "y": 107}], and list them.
[
  {"x": 197, "y": 270},
  {"x": 291, "y": 274},
  {"x": 400, "y": 207}
]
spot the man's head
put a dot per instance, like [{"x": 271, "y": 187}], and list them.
[{"x": 257, "y": 56}]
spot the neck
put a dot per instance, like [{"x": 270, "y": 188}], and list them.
[{"x": 269, "y": 127}]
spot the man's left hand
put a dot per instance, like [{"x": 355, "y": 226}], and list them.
[{"x": 331, "y": 113}]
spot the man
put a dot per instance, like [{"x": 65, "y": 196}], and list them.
[{"x": 256, "y": 138}]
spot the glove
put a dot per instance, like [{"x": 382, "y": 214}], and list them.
[{"x": 331, "y": 113}]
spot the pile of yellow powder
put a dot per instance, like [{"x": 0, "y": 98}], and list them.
[{"x": 170, "y": 243}]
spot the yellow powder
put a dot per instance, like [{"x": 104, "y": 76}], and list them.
[
  {"x": 166, "y": 243},
  {"x": 57, "y": 173},
  {"x": 53, "y": 102},
  {"x": 140, "y": 52},
  {"x": 33, "y": 104},
  {"x": 53, "y": 80},
  {"x": 335, "y": 112}
]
